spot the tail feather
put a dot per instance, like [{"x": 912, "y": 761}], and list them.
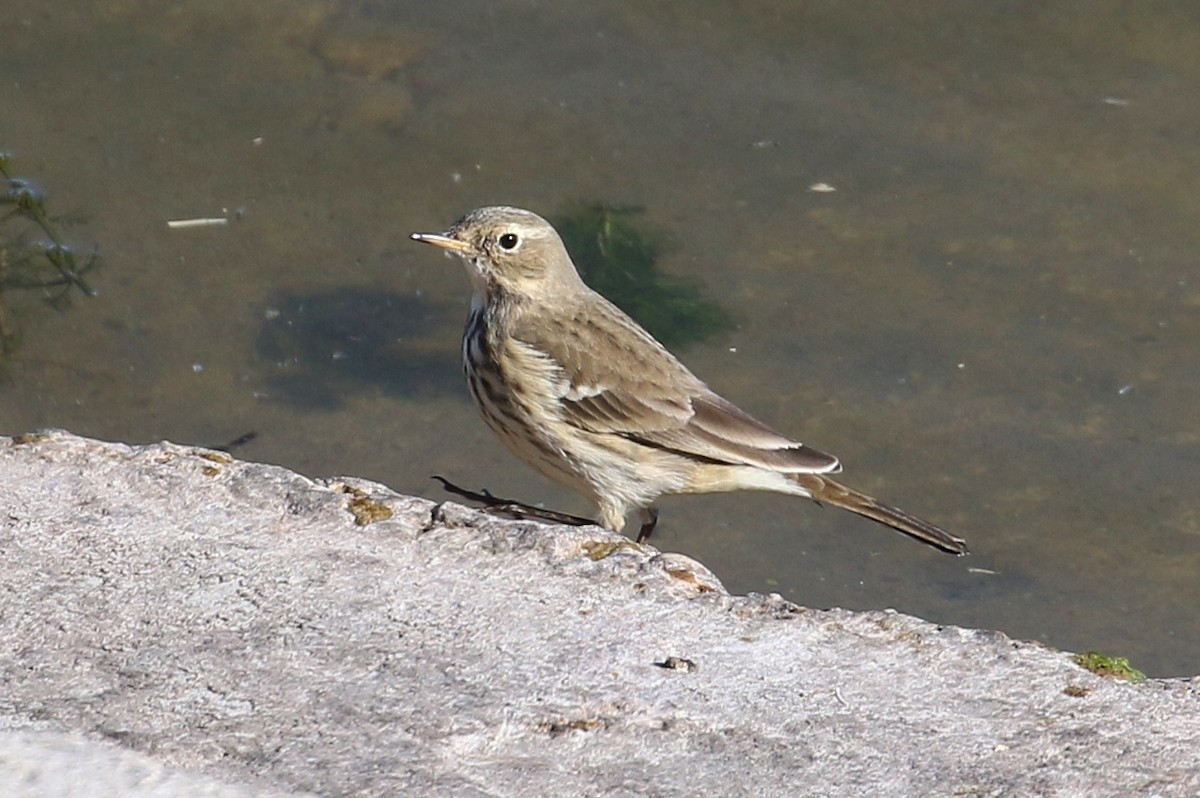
[{"x": 827, "y": 491}]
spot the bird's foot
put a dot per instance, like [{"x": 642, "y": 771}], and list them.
[{"x": 511, "y": 508}]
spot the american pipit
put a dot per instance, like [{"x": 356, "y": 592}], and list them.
[{"x": 584, "y": 395}]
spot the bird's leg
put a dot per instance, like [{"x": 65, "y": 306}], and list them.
[{"x": 649, "y": 521}]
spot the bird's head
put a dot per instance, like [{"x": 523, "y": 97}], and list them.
[{"x": 508, "y": 251}]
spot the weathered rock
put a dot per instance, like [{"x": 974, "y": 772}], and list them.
[{"x": 254, "y": 632}]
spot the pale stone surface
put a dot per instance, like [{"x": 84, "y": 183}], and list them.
[
  {"x": 235, "y": 632},
  {"x": 54, "y": 765}
]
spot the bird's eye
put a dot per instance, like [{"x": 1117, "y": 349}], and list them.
[{"x": 508, "y": 241}]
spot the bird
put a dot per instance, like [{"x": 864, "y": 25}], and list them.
[{"x": 584, "y": 395}]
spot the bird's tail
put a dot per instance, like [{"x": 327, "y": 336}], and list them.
[{"x": 826, "y": 491}]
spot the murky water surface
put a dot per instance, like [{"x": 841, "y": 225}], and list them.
[{"x": 993, "y": 319}]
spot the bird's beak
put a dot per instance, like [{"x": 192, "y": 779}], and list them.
[{"x": 445, "y": 242}]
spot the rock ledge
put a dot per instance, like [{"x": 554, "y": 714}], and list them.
[{"x": 176, "y": 622}]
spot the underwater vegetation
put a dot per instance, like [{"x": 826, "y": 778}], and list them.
[
  {"x": 34, "y": 255},
  {"x": 618, "y": 256}
]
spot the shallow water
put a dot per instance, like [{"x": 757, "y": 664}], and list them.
[{"x": 992, "y": 320}]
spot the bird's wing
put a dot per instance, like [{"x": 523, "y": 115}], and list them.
[{"x": 614, "y": 378}]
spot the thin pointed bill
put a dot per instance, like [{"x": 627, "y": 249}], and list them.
[{"x": 443, "y": 241}]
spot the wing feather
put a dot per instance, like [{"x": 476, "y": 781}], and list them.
[{"x": 614, "y": 378}]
